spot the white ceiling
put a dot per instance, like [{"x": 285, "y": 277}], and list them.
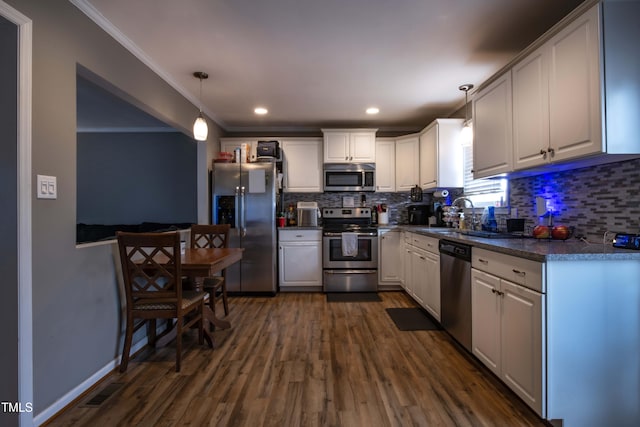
[{"x": 316, "y": 63}]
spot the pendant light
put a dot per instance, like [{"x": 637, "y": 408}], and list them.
[
  {"x": 467, "y": 128},
  {"x": 200, "y": 128}
]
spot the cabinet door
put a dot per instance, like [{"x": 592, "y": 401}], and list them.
[
  {"x": 531, "y": 110},
  {"x": 391, "y": 256},
  {"x": 302, "y": 165},
  {"x": 300, "y": 264},
  {"x": 432, "y": 291},
  {"x": 362, "y": 147},
  {"x": 522, "y": 351},
  {"x": 575, "y": 125},
  {"x": 407, "y": 280},
  {"x": 336, "y": 147},
  {"x": 407, "y": 163},
  {"x": 492, "y": 127},
  {"x": 385, "y": 165},
  {"x": 429, "y": 158},
  {"x": 419, "y": 276},
  {"x": 485, "y": 315}
]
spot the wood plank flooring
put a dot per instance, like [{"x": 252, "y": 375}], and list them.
[{"x": 297, "y": 360}]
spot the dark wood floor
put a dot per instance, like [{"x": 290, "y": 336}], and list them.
[{"x": 296, "y": 360}]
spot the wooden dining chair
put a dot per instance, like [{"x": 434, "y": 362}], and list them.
[
  {"x": 151, "y": 270},
  {"x": 212, "y": 236}
]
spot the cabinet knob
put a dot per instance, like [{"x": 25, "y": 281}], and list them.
[
  {"x": 519, "y": 273},
  {"x": 552, "y": 151},
  {"x": 543, "y": 153},
  {"x": 484, "y": 261}
]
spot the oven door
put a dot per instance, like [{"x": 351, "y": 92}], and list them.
[{"x": 332, "y": 257}]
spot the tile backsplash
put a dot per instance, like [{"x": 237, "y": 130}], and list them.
[
  {"x": 397, "y": 202},
  {"x": 593, "y": 200}
]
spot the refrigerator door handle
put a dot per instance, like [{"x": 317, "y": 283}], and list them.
[
  {"x": 238, "y": 210},
  {"x": 243, "y": 225}
]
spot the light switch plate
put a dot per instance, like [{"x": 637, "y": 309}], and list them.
[{"x": 47, "y": 187}]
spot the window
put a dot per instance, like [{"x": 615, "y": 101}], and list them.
[{"x": 485, "y": 191}]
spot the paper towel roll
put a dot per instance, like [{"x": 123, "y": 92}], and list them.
[{"x": 441, "y": 193}]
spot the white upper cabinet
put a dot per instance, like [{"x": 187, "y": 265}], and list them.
[
  {"x": 385, "y": 164},
  {"x": 302, "y": 165},
  {"x": 530, "y": 79},
  {"x": 557, "y": 98},
  {"x": 492, "y": 128},
  {"x": 407, "y": 162},
  {"x": 575, "y": 124},
  {"x": 441, "y": 162},
  {"x": 349, "y": 145}
]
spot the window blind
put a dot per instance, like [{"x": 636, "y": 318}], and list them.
[{"x": 477, "y": 186}]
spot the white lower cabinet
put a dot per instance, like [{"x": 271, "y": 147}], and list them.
[
  {"x": 300, "y": 259},
  {"x": 422, "y": 271},
  {"x": 390, "y": 268},
  {"x": 432, "y": 288},
  {"x": 507, "y": 318}
]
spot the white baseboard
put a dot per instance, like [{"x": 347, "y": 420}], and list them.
[{"x": 65, "y": 400}]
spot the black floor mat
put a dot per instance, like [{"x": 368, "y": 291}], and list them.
[
  {"x": 412, "y": 319},
  {"x": 353, "y": 297}
]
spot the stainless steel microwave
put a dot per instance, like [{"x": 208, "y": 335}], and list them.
[{"x": 349, "y": 177}]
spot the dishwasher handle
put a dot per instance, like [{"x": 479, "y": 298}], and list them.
[{"x": 454, "y": 249}]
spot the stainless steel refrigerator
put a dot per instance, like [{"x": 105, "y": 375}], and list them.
[{"x": 244, "y": 195}]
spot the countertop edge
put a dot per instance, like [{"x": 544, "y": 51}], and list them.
[{"x": 541, "y": 251}]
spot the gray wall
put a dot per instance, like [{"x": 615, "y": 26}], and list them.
[
  {"x": 9, "y": 223},
  {"x": 76, "y": 308},
  {"x": 129, "y": 178}
]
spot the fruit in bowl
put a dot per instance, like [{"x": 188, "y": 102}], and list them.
[
  {"x": 541, "y": 232},
  {"x": 561, "y": 232}
]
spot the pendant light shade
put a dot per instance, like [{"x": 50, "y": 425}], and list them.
[
  {"x": 200, "y": 128},
  {"x": 466, "y": 135}
]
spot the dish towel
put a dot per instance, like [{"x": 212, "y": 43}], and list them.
[{"x": 350, "y": 244}]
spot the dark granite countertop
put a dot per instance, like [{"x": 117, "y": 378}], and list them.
[{"x": 535, "y": 249}]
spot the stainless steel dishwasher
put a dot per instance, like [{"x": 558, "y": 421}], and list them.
[{"x": 455, "y": 290}]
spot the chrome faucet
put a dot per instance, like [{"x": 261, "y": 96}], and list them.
[{"x": 473, "y": 209}]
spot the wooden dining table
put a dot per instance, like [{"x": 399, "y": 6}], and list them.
[{"x": 197, "y": 264}]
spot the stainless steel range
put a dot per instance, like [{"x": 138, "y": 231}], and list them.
[{"x": 349, "y": 250}]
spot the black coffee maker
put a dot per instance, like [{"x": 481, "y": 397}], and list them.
[{"x": 419, "y": 214}]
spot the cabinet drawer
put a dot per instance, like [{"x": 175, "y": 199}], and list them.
[
  {"x": 522, "y": 271},
  {"x": 427, "y": 243},
  {"x": 294, "y": 235}
]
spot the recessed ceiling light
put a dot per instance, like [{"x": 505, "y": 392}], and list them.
[
  {"x": 373, "y": 110},
  {"x": 261, "y": 111}
]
